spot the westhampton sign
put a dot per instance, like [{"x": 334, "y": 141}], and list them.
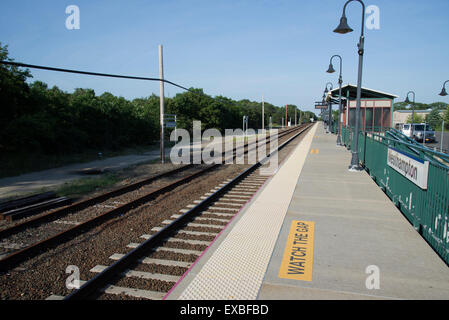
[{"x": 414, "y": 169}]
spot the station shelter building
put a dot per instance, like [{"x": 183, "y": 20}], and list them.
[{"x": 376, "y": 110}]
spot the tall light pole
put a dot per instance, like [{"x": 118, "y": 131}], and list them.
[
  {"x": 413, "y": 112},
  {"x": 161, "y": 76},
  {"x": 323, "y": 113},
  {"x": 329, "y": 119},
  {"x": 340, "y": 82},
  {"x": 263, "y": 114},
  {"x": 344, "y": 28},
  {"x": 443, "y": 93},
  {"x": 286, "y": 116}
]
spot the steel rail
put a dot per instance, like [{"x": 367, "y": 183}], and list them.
[
  {"x": 94, "y": 200},
  {"x": 86, "y": 203},
  {"x": 17, "y": 257},
  {"x": 101, "y": 280}
]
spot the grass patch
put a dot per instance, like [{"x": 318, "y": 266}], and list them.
[
  {"x": 17, "y": 164},
  {"x": 87, "y": 185}
]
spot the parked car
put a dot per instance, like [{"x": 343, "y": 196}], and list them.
[{"x": 419, "y": 131}]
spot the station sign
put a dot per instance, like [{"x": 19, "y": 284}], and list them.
[
  {"x": 413, "y": 168},
  {"x": 320, "y": 105}
]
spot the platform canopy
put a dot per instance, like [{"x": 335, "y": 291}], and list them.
[{"x": 350, "y": 91}]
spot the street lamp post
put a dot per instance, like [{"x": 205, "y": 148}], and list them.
[
  {"x": 323, "y": 114},
  {"x": 413, "y": 112},
  {"x": 443, "y": 92},
  {"x": 329, "y": 120},
  {"x": 340, "y": 82},
  {"x": 344, "y": 28}
]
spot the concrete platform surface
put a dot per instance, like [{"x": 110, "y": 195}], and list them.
[
  {"x": 363, "y": 247},
  {"x": 317, "y": 231}
]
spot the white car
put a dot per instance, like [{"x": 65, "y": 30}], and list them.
[{"x": 417, "y": 131}]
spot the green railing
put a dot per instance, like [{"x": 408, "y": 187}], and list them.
[{"x": 427, "y": 209}]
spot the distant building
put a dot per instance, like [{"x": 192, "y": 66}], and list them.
[{"x": 400, "y": 116}]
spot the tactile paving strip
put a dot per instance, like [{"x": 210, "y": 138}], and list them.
[{"x": 237, "y": 268}]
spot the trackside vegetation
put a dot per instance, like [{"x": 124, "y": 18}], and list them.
[{"x": 38, "y": 122}]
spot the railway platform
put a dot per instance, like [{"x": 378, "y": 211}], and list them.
[{"x": 317, "y": 231}]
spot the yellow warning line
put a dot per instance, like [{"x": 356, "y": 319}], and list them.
[{"x": 297, "y": 263}]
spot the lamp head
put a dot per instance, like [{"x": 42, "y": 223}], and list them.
[
  {"x": 331, "y": 69},
  {"x": 443, "y": 92},
  {"x": 343, "y": 27},
  {"x": 407, "y": 100}
]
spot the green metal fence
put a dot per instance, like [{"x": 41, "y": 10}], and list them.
[{"x": 427, "y": 209}]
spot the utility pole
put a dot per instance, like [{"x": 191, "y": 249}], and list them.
[
  {"x": 263, "y": 114},
  {"x": 285, "y": 115},
  {"x": 296, "y": 118},
  {"x": 161, "y": 76}
]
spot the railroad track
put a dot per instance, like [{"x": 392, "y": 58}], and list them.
[
  {"x": 172, "y": 247},
  {"x": 56, "y": 227}
]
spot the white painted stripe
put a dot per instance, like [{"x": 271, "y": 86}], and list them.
[
  {"x": 177, "y": 250},
  {"x": 202, "y": 225},
  {"x": 237, "y": 196},
  {"x": 75, "y": 223},
  {"x": 199, "y": 219},
  {"x": 140, "y": 274},
  {"x": 221, "y": 208},
  {"x": 169, "y": 263},
  {"x": 188, "y": 241},
  {"x": 55, "y": 297},
  {"x": 194, "y": 242},
  {"x": 220, "y": 214},
  {"x": 240, "y": 192},
  {"x": 235, "y": 199},
  {"x": 137, "y": 293},
  {"x": 198, "y": 233},
  {"x": 228, "y": 204},
  {"x": 246, "y": 188}
]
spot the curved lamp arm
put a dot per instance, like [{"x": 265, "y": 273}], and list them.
[
  {"x": 340, "y": 79},
  {"x": 363, "y": 13}
]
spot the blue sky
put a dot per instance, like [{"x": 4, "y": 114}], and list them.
[{"x": 239, "y": 49}]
